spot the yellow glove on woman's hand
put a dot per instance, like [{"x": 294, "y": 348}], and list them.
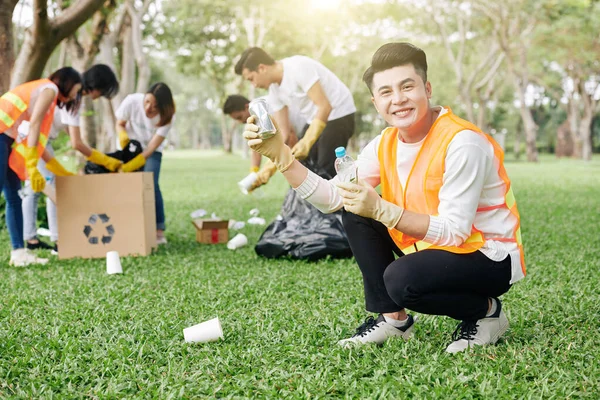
[
  {"x": 133, "y": 165},
  {"x": 35, "y": 178},
  {"x": 302, "y": 148},
  {"x": 57, "y": 169},
  {"x": 123, "y": 138},
  {"x": 110, "y": 163},
  {"x": 273, "y": 148}
]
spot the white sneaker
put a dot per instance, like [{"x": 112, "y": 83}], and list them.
[
  {"x": 23, "y": 257},
  {"x": 378, "y": 331},
  {"x": 479, "y": 333},
  {"x": 161, "y": 240}
]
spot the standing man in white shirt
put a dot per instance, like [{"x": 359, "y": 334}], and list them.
[
  {"x": 301, "y": 83},
  {"x": 446, "y": 210}
]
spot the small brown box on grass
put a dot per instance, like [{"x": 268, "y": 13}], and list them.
[
  {"x": 211, "y": 231},
  {"x": 105, "y": 212}
]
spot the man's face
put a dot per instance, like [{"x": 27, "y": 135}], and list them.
[
  {"x": 241, "y": 116},
  {"x": 401, "y": 97},
  {"x": 257, "y": 78}
]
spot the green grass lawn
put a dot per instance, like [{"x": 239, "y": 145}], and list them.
[{"x": 69, "y": 330}]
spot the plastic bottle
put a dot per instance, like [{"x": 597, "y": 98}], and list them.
[{"x": 345, "y": 166}]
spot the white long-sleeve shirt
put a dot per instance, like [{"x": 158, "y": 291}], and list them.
[{"x": 470, "y": 181}]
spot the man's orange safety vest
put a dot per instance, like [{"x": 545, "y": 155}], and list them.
[
  {"x": 423, "y": 184},
  {"x": 12, "y": 105}
]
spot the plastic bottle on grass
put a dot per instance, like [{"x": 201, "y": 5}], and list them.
[{"x": 345, "y": 166}]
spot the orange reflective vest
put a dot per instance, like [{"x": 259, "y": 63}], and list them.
[
  {"x": 423, "y": 184},
  {"x": 12, "y": 105}
]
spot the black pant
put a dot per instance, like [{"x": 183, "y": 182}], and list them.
[
  {"x": 337, "y": 132},
  {"x": 434, "y": 282}
]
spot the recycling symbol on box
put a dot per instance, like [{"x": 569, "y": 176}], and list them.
[{"x": 98, "y": 229}]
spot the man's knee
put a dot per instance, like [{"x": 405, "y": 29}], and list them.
[{"x": 400, "y": 283}]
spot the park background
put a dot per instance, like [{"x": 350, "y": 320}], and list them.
[{"x": 527, "y": 72}]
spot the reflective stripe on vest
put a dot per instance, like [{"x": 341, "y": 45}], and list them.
[
  {"x": 425, "y": 180},
  {"x": 12, "y": 105}
]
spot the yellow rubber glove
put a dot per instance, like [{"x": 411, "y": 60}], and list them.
[
  {"x": 254, "y": 168},
  {"x": 302, "y": 148},
  {"x": 273, "y": 148},
  {"x": 361, "y": 199},
  {"x": 110, "y": 163},
  {"x": 123, "y": 138},
  {"x": 57, "y": 169},
  {"x": 265, "y": 173},
  {"x": 35, "y": 178},
  {"x": 133, "y": 165}
]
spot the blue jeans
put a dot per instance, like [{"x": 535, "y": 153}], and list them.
[
  {"x": 11, "y": 184},
  {"x": 153, "y": 165},
  {"x": 30, "y": 205}
]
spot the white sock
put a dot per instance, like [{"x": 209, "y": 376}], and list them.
[
  {"x": 493, "y": 308},
  {"x": 396, "y": 323}
]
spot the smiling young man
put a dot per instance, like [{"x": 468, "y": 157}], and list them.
[
  {"x": 321, "y": 98},
  {"x": 446, "y": 210}
]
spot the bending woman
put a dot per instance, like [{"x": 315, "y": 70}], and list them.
[
  {"x": 148, "y": 118},
  {"x": 35, "y": 102}
]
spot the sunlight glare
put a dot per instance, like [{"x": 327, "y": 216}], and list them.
[{"x": 326, "y": 4}]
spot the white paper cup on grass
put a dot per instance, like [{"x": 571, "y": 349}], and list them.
[
  {"x": 208, "y": 331},
  {"x": 113, "y": 263},
  {"x": 246, "y": 183},
  {"x": 238, "y": 241}
]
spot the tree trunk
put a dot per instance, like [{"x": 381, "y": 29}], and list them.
[
  {"x": 585, "y": 135},
  {"x": 226, "y": 132},
  {"x": 195, "y": 138},
  {"x": 564, "y": 141},
  {"x": 143, "y": 69},
  {"x": 127, "y": 61},
  {"x": 45, "y": 34},
  {"x": 7, "y": 8},
  {"x": 517, "y": 143},
  {"x": 530, "y": 133},
  {"x": 110, "y": 122}
]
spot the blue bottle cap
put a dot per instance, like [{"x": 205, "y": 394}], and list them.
[{"x": 340, "y": 152}]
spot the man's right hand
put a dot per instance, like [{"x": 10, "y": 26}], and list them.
[
  {"x": 263, "y": 175},
  {"x": 273, "y": 148}
]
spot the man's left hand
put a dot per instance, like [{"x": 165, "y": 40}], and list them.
[{"x": 362, "y": 199}]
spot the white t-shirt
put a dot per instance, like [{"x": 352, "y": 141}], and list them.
[
  {"x": 470, "y": 181},
  {"x": 139, "y": 127},
  {"x": 13, "y": 131},
  {"x": 61, "y": 122},
  {"x": 300, "y": 73}
]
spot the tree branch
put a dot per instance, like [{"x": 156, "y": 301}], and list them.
[{"x": 74, "y": 16}]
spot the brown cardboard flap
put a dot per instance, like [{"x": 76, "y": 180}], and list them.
[{"x": 210, "y": 224}]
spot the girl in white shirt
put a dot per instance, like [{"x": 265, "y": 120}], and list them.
[{"x": 148, "y": 118}]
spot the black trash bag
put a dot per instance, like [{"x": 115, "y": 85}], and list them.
[
  {"x": 130, "y": 151},
  {"x": 303, "y": 232}
]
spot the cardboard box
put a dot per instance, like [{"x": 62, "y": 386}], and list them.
[
  {"x": 105, "y": 212},
  {"x": 211, "y": 231}
]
